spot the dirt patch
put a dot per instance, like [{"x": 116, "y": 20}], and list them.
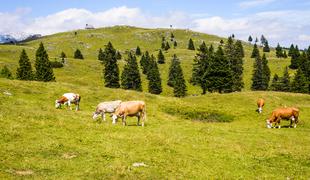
[
  {"x": 23, "y": 172},
  {"x": 69, "y": 155}
]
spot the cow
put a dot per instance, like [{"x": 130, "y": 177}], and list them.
[
  {"x": 106, "y": 107},
  {"x": 130, "y": 108},
  {"x": 260, "y": 105},
  {"x": 287, "y": 113},
  {"x": 67, "y": 99}
]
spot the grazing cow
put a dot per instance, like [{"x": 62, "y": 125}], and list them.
[
  {"x": 130, "y": 108},
  {"x": 67, "y": 99},
  {"x": 106, "y": 107},
  {"x": 260, "y": 105},
  {"x": 289, "y": 113}
]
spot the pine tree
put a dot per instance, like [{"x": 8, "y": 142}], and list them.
[
  {"x": 175, "y": 44},
  {"x": 291, "y": 50},
  {"x": 163, "y": 45},
  {"x": 100, "y": 55},
  {"x": 250, "y": 39},
  {"x": 279, "y": 52},
  {"x": 266, "y": 46},
  {"x": 131, "y": 75},
  {"x": 138, "y": 51},
  {"x": 154, "y": 78},
  {"x": 295, "y": 58},
  {"x": 276, "y": 84},
  {"x": 24, "y": 71},
  {"x": 200, "y": 66},
  {"x": 219, "y": 74},
  {"x": 284, "y": 54},
  {"x": 222, "y": 42},
  {"x": 234, "y": 53},
  {"x": 118, "y": 55},
  {"x": 191, "y": 45},
  {"x": 300, "y": 84},
  {"x": 266, "y": 73},
  {"x": 285, "y": 83},
  {"x": 63, "y": 55},
  {"x": 160, "y": 57},
  {"x": 263, "y": 40},
  {"x": 256, "y": 40},
  {"x": 78, "y": 54},
  {"x": 239, "y": 48},
  {"x": 44, "y": 71},
  {"x": 6, "y": 73},
  {"x": 111, "y": 71},
  {"x": 145, "y": 62},
  {"x": 171, "y": 37},
  {"x": 255, "y": 51},
  {"x": 176, "y": 78},
  {"x": 167, "y": 46}
]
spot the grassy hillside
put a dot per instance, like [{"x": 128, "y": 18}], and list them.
[{"x": 41, "y": 142}]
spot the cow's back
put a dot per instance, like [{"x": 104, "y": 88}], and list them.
[{"x": 130, "y": 107}]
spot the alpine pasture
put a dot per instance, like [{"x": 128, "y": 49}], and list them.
[{"x": 195, "y": 137}]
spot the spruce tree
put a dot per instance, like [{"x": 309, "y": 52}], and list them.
[
  {"x": 171, "y": 37},
  {"x": 63, "y": 55},
  {"x": 266, "y": 46},
  {"x": 285, "y": 82},
  {"x": 111, "y": 70},
  {"x": 300, "y": 84},
  {"x": 138, "y": 51},
  {"x": 219, "y": 74},
  {"x": 266, "y": 73},
  {"x": 24, "y": 71},
  {"x": 222, "y": 42},
  {"x": 276, "y": 84},
  {"x": 284, "y": 54},
  {"x": 153, "y": 75},
  {"x": 175, "y": 44},
  {"x": 145, "y": 62},
  {"x": 176, "y": 77},
  {"x": 191, "y": 45},
  {"x": 257, "y": 78},
  {"x": 263, "y": 40},
  {"x": 6, "y": 73},
  {"x": 100, "y": 55},
  {"x": 163, "y": 45},
  {"x": 255, "y": 51},
  {"x": 250, "y": 39},
  {"x": 279, "y": 52},
  {"x": 239, "y": 48},
  {"x": 200, "y": 66},
  {"x": 295, "y": 58},
  {"x": 131, "y": 76},
  {"x": 167, "y": 46},
  {"x": 118, "y": 55},
  {"x": 291, "y": 50},
  {"x": 256, "y": 40},
  {"x": 44, "y": 71},
  {"x": 78, "y": 54},
  {"x": 160, "y": 57}
]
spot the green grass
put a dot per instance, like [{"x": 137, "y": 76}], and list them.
[{"x": 196, "y": 137}]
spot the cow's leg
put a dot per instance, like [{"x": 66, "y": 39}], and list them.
[
  {"x": 293, "y": 120},
  {"x": 124, "y": 120},
  {"x": 69, "y": 105},
  {"x": 138, "y": 119},
  {"x": 77, "y": 107},
  {"x": 103, "y": 116}
]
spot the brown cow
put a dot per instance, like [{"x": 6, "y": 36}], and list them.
[
  {"x": 130, "y": 108},
  {"x": 287, "y": 113},
  {"x": 260, "y": 105}
]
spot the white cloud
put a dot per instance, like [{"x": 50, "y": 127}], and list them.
[
  {"x": 304, "y": 37},
  {"x": 254, "y": 3}
]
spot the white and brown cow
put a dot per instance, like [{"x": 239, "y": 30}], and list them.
[
  {"x": 106, "y": 107},
  {"x": 287, "y": 113},
  {"x": 67, "y": 99},
  {"x": 130, "y": 108},
  {"x": 260, "y": 105}
]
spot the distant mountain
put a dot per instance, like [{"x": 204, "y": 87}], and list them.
[{"x": 17, "y": 37}]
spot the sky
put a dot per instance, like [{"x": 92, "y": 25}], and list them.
[{"x": 280, "y": 21}]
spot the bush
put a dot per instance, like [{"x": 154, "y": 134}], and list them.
[{"x": 56, "y": 64}]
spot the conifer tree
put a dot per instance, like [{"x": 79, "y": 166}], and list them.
[
  {"x": 167, "y": 46},
  {"x": 131, "y": 75},
  {"x": 163, "y": 45},
  {"x": 111, "y": 70},
  {"x": 44, "y": 71},
  {"x": 256, "y": 40},
  {"x": 263, "y": 40},
  {"x": 100, "y": 55},
  {"x": 78, "y": 54},
  {"x": 266, "y": 73},
  {"x": 239, "y": 48},
  {"x": 285, "y": 82},
  {"x": 191, "y": 45},
  {"x": 200, "y": 66},
  {"x": 279, "y": 52},
  {"x": 118, "y": 55},
  {"x": 284, "y": 54},
  {"x": 250, "y": 39},
  {"x": 276, "y": 84},
  {"x": 160, "y": 57},
  {"x": 219, "y": 74},
  {"x": 175, "y": 44},
  {"x": 6, "y": 73},
  {"x": 24, "y": 71},
  {"x": 255, "y": 51},
  {"x": 63, "y": 55},
  {"x": 145, "y": 62},
  {"x": 295, "y": 58},
  {"x": 176, "y": 78},
  {"x": 153, "y": 75},
  {"x": 291, "y": 50},
  {"x": 266, "y": 46},
  {"x": 257, "y": 78},
  {"x": 171, "y": 37},
  {"x": 300, "y": 84},
  {"x": 138, "y": 51},
  {"x": 222, "y": 42}
]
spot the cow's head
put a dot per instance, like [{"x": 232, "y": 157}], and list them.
[
  {"x": 95, "y": 115},
  {"x": 269, "y": 124},
  {"x": 57, "y": 104}
]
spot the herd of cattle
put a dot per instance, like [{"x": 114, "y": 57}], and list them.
[{"x": 119, "y": 109}]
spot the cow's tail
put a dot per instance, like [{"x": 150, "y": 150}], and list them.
[{"x": 144, "y": 114}]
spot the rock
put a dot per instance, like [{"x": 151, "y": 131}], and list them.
[
  {"x": 139, "y": 164},
  {"x": 7, "y": 93}
]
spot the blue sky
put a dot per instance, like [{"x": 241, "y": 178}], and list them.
[{"x": 284, "y": 21}]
